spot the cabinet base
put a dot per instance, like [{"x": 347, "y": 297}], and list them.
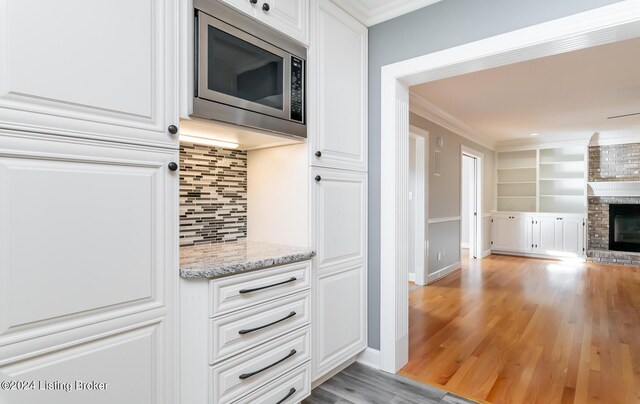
[{"x": 541, "y": 256}]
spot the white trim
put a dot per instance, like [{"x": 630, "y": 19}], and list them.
[
  {"x": 614, "y": 188},
  {"x": 543, "y": 143},
  {"x": 486, "y": 253},
  {"x": 613, "y": 139},
  {"x": 612, "y": 23},
  {"x": 421, "y": 137},
  {"x": 369, "y": 357},
  {"x": 479, "y": 194},
  {"x": 444, "y": 219},
  {"x": 463, "y": 245},
  {"x": 369, "y": 16},
  {"x": 435, "y": 114},
  {"x": 535, "y": 255},
  {"x": 487, "y": 215},
  {"x": 441, "y": 273}
]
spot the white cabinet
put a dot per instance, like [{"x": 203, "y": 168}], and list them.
[
  {"x": 340, "y": 223},
  {"x": 337, "y": 88},
  {"x": 88, "y": 238},
  {"x": 511, "y": 233},
  {"x": 290, "y": 17},
  {"x": 559, "y": 235},
  {"x": 92, "y": 69}
]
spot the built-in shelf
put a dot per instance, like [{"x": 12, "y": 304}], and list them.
[{"x": 542, "y": 180}]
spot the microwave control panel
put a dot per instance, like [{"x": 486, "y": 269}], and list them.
[{"x": 297, "y": 89}]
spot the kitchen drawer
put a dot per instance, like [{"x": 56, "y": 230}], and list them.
[
  {"x": 241, "y": 291},
  {"x": 253, "y": 369},
  {"x": 291, "y": 388},
  {"x": 237, "y": 332}
]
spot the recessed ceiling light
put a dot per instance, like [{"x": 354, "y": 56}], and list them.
[{"x": 534, "y": 134}]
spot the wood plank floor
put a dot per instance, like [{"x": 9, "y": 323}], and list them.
[
  {"x": 359, "y": 384},
  {"x": 516, "y": 330}
]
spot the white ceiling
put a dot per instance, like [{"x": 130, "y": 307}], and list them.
[
  {"x": 566, "y": 95},
  {"x": 371, "y": 12}
]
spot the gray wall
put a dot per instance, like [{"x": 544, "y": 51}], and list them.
[
  {"x": 440, "y": 26},
  {"x": 444, "y": 191}
]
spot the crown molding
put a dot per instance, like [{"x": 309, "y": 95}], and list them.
[
  {"x": 435, "y": 114},
  {"x": 614, "y": 188},
  {"x": 367, "y": 15},
  {"x": 543, "y": 142},
  {"x": 609, "y": 139}
]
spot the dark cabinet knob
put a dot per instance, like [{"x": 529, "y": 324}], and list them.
[
  {"x": 318, "y": 153},
  {"x": 265, "y": 6},
  {"x": 253, "y": 1},
  {"x": 173, "y": 129},
  {"x": 318, "y": 178},
  {"x": 173, "y": 166}
]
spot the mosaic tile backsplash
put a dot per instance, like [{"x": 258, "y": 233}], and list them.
[{"x": 213, "y": 194}]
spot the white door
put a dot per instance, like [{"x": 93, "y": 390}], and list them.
[
  {"x": 546, "y": 239},
  {"x": 340, "y": 223},
  {"x": 96, "y": 69},
  {"x": 502, "y": 230},
  {"x": 521, "y": 227},
  {"x": 290, "y": 17},
  {"x": 88, "y": 241},
  {"x": 572, "y": 236},
  {"x": 338, "y": 88}
]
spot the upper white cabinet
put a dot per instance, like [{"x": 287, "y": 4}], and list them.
[
  {"x": 97, "y": 69},
  {"x": 290, "y": 17},
  {"x": 337, "y": 88}
]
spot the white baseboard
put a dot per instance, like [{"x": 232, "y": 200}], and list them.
[
  {"x": 369, "y": 357},
  {"x": 441, "y": 273},
  {"x": 486, "y": 253},
  {"x": 543, "y": 256},
  {"x": 412, "y": 276}
]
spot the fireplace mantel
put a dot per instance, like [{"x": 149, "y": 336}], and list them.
[{"x": 614, "y": 188}]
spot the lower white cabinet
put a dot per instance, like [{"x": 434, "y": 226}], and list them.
[
  {"x": 544, "y": 234},
  {"x": 88, "y": 253},
  {"x": 339, "y": 200}
]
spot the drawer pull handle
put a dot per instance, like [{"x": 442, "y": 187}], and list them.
[
  {"x": 288, "y": 316},
  {"x": 289, "y": 394},
  {"x": 292, "y": 279},
  {"x": 248, "y": 375}
]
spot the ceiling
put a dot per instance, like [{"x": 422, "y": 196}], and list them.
[
  {"x": 371, "y": 12},
  {"x": 562, "y": 96}
]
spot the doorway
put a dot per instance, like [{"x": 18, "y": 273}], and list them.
[
  {"x": 417, "y": 201},
  {"x": 470, "y": 204}
]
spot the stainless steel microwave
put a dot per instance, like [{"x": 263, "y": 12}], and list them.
[{"x": 247, "y": 73}]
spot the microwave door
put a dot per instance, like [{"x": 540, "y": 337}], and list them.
[{"x": 240, "y": 70}]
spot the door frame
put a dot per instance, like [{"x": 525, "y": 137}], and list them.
[
  {"x": 612, "y": 23},
  {"x": 422, "y": 200},
  {"x": 479, "y": 174}
]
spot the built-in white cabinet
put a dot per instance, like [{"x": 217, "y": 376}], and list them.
[
  {"x": 511, "y": 232},
  {"x": 88, "y": 241},
  {"x": 340, "y": 227},
  {"x": 337, "y": 88},
  {"x": 561, "y": 235},
  {"x": 542, "y": 234},
  {"x": 101, "y": 70},
  {"x": 290, "y": 17}
]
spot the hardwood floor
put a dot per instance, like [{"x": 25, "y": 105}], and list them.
[
  {"x": 516, "y": 330},
  {"x": 359, "y": 384}
]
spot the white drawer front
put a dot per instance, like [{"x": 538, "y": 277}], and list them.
[
  {"x": 241, "y": 291},
  {"x": 244, "y": 373},
  {"x": 243, "y": 330},
  {"x": 291, "y": 388}
]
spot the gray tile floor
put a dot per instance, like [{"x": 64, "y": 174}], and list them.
[{"x": 359, "y": 384}]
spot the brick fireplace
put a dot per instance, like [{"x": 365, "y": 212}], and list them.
[{"x": 614, "y": 187}]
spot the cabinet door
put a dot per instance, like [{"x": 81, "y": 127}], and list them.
[
  {"x": 96, "y": 69},
  {"x": 521, "y": 228},
  {"x": 245, "y": 6},
  {"x": 572, "y": 236},
  {"x": 547, "y": 237},
  {"x": 340, "y": 317},
  {"x": 290, "y": 17},
  {"x": 339, "y": 217},
  {"x": 502, "y": 233},
  {"x": 88, "y": 238},
  {"x": 338, "y": 89}
]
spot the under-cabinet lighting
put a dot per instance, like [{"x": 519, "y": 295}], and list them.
[
  {"x": 208, "y": 141},
  {"x": 534, "y": 134}
]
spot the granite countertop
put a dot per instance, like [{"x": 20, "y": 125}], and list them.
[{"x": 224, "y": 259}]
